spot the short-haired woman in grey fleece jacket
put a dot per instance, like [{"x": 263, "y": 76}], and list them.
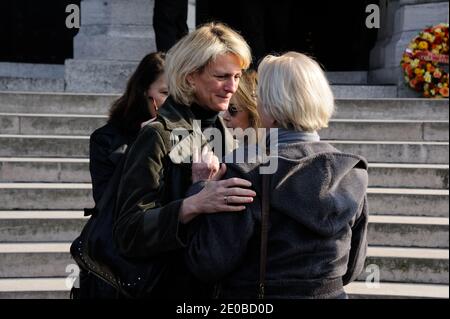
[{"x": 318, "y": 204}]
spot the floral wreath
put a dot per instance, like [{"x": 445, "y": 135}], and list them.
[{"x": 423, "y": 59}]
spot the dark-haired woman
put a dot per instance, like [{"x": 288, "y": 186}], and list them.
[{"x": 146, "y": 91}]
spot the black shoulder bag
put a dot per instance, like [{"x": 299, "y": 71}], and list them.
[{"x": 94, "y": 249}]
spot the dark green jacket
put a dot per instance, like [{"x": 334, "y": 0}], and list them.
[{"x": 154, "y": 182}]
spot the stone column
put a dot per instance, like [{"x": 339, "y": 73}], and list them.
[
  {"x": 401, "y": 21},
  {"x": 114, "y": 36}
]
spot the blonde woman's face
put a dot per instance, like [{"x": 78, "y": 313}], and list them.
[
  {"x": 216, "y": 84},
  {"x": 236, "y": 116}
]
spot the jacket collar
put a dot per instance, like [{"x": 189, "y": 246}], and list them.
[
  {"x": 178, "y": 116},
  {"x": 174, "y": 115},
  {"x": 286, "y": 136}
]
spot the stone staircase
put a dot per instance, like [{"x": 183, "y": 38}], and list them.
[
  {"x": 28, "y": 77},
  {"x": 45, "y": 184}
]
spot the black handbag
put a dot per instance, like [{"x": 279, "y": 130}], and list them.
[{"x": 95, "y": 252}]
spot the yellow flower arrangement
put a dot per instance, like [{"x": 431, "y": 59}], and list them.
[
  {"x": 423, "y": 45},
  {"x": 422, "y": 60}
]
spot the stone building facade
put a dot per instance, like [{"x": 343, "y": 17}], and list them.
[{"x": 115, "y": 34}]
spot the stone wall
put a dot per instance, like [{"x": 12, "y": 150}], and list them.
[{"x": 113, "y": 38}]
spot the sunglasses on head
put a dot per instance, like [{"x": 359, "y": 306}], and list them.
[{"x": 233, "y": 110}]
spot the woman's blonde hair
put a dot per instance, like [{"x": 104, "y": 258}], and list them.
[
  {"x": 294, "y": 91},
  {"x": 198, "y": 48},
  {"x": 246, "y": 96}
]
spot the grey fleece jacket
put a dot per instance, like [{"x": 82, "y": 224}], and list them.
[{"x": 317, "y": 229}]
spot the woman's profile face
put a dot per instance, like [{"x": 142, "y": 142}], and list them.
[
  {"x": 158, "y": 90},
  {"x": 236, "y": 116},
  {"x": 267, "y": 121},
  {"x": 217, "y": 82},
  {"x": 157, "y": 94}
]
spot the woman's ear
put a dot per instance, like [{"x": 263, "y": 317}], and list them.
[
  {"x": 190, "y": 80},
  {"x": 153, "y": 108}
]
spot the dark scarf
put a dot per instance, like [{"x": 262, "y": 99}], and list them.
[{"x": 208, "y": 117}]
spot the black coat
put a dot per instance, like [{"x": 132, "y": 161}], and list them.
[
  {"x": 106, "y": 147},
  {"x": 317, "y": 230},
  {"x": 154, "y": 183}
]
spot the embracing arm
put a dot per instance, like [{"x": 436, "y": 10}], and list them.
[{"x": 144, "y": 225}]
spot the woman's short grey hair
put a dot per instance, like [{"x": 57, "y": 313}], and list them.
[
  {"x": 198, "y": 48},
  {"x": 294, "y": 91}
]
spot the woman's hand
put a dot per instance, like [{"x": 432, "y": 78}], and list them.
[
  {"x": 228, "y": 195},
  {"x": 205, "y": 166}
]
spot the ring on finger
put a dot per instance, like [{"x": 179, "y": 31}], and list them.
[{"x": 225, "y": 199}]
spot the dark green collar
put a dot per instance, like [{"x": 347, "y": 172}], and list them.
[{"x": 174, "y": 115}]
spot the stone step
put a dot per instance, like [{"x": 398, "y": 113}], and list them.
[
  {"x": 49, "y": 71},
  {"x": 406, "y": 265},
  {"x": 47, "y": 124},
  {"x": 363, "y": 91},
  {"x": 75, "y": 170},
  {"x": 387, "y": 290},
  {"x": 396, "y": 264},
  {"x": 40, "y": 226},
  {"x": 30, "y": 84},
  {"x": 73, "y": 103},
  {"x": 385, "y": 130},
  {"x": 63, "y": 196},
  {"x": 408, "y": 175},
  {"x": 56, "y": 288},
  {"x": 40, "y": 170},
  {"x": 48, "y": 259},
  {"x": 31, "y": 77},
  {"x": 347, "y": 77},
  {"x": 55, "y": 103},
  {"x": 44, "y": 146},
  {"x": 408, "y": 231},
  {"x": 34, "y": 288},
  {"x": 60, "y": 226},
  {"x": 408, "y": 202},
  {"x": 397, "y": 152},
  {"x": 392, "y": 109},
  {"x": 46, "y": 196},
  {"x": 373, "y": 151},
  {"x": 20, "y": 84},
  {"x": 339, "y": 129}
]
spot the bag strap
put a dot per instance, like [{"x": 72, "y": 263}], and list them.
[{"x": 265, "y": 207}]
